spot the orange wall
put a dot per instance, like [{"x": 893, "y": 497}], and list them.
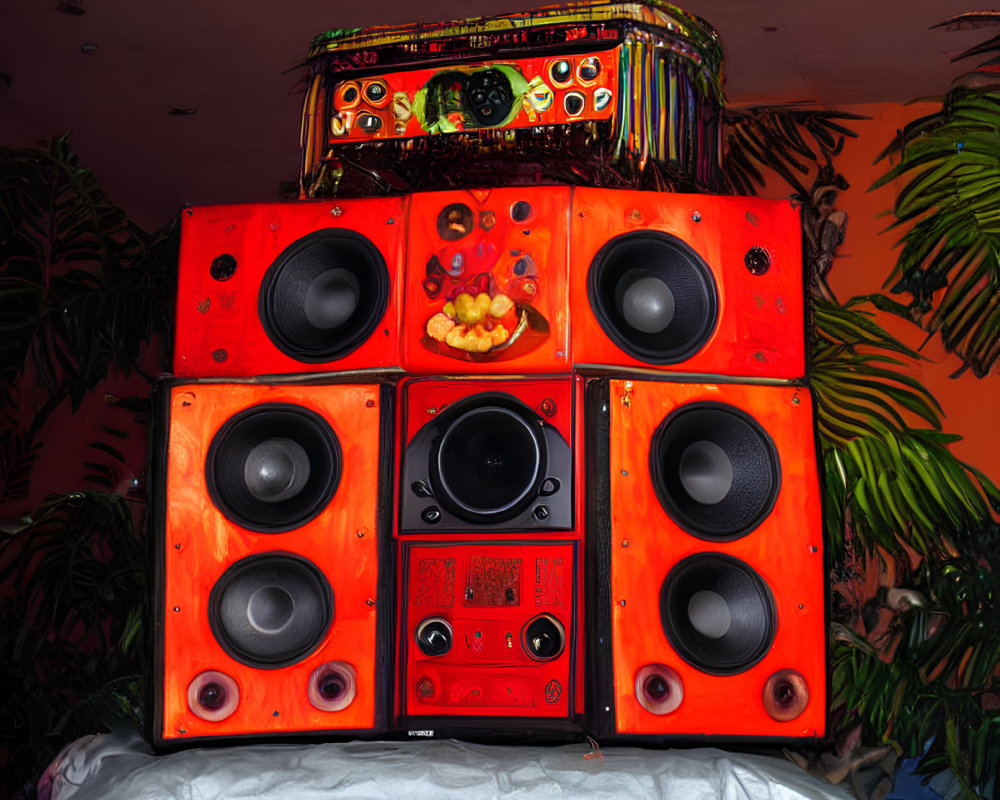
[{"x": 971, "y": 405}]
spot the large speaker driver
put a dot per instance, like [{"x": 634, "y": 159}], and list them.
[
  {"x": 653, "y": 296},
  {"x": 324, "y": 295},
  {"x": 271, "y": 610},
  {"x": 718, "y": 614},
  {"x": 715, "y": 470},
  {"x": 490, "y": 459},
  {"x": 273, "y": 467}
]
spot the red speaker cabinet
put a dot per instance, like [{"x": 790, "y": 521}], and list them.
[
  {"x": 687, "y": 283},
  {"x": 486, "y": 287},
  {"x": 278, "y": 288},
  {"x": 489, "y": 636},
  {"x": 271, "y": 610},
  {"x": 707, "y": 555}
]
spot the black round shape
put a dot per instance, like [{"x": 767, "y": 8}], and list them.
[
  {"x": 543, "y": 638},
  {"x": 454, "y": 222},
  {"x": 715, "y": 470},
  {"x": 369, "y": 123},
  {"x": 488, "y": 97},
  {"x": 434, "y": 637},
  {"x": 324, "y": 295},
  {"x": 589, "y": 68},
  {"x": 212, "y": 696},
  {"x": 750, "y": 612},
  {"x": 679, "y": 317},
  {"x": 489, "y": 461},
  {"x": 223, "y": 267},
  {"x": 574, "y": 103},
  {"x": 520, "y": 212},
  {"x": 375, "y": 92},
  {"x": 235, "y": 463},
  {"x": 332, "y": 686},
  {"x": 561, "y": 72},
  {"x": 350, "y": 94},
  {"x": 269, "y": 611},
  {"x": 656, "y": 688},
  {"x": 757, "y": 260}
]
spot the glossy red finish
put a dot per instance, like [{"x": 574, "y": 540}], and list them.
[
  {"x": 786, "y": 550},
  {"x": 198, "y": 543},
  {"x": 219, "y": 331},
  {"x": 759, "y": 333},
  {"x": 487, "y": 594}
]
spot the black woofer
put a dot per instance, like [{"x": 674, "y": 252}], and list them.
[
  {"x": 324, "y": 295},
  {"x": 654, "y": 296},
  {"x": 715, "y": 470},
  {"x": 273, "y": 467},
  {"x": 717, "y": 613},
  {"x": 271, "y": 610},
  {"x": 433, "y": 636},
  {"x": 490, "y": 459}
]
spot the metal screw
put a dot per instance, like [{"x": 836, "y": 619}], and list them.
[{"x": 696, "y": 216}]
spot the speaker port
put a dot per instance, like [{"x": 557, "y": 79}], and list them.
[
  {"x": 659, "y": 688},
  {"x": 434, "y": 636},
  {"x": 543, "y": 638},
  {"x": 213, "y": 696},
  {"x": 332, "y": 686},
  {"x": 785, "y": 695}
]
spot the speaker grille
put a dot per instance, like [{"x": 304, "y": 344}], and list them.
[
  {"x": 490, "y": 459},
  {"x": 324, "y": 295},
  {"x": 715, "y": 470},
  {"x": 717, "y": 613},
  {"x": 273, "y": 467},
  {"x": 654, "y": 296},
  {"x": 271, "y": 610}
]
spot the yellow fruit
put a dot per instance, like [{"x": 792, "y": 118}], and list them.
[
  {"x": 500, "y": 305},
  {"x": 483, "y": 301},
  {"x": 449, "y": 309},
  {"x": 467, "y": 309}
]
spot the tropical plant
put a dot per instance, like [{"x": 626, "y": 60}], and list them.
[
  {"x": 928, "y": 685},
  {"x": 949, "y": 212}
]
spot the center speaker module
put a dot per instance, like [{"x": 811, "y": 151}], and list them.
[
  {"x": 489, "y": 551},
  {"x": 273, "y": 571}
]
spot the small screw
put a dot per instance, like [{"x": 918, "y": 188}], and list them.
[
  {"x": 177, "y": 608},
  {"x": 625, "y": 473},
  {"x": 177, "y": 547},
  {"x": 275, "y": 714},
  {"x": 390, "y": 221},
  {"x": 801, "y": 606},
  {"x": 625, "y": 543},
  {"x": 370, "y": 404},
  {"x": 795, "y": 400},
  {"x": 696, "y": 216},
  {"x": 369, "y": 602},
  {"x": 337, "y": 211},
  {"x": 621, "y": 602},
  {"x": 361, "y": 533}
]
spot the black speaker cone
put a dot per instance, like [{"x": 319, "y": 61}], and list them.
[
  {"x": 272, "y": 610},
  {"x": 715, "y": 470},
  {"x": 433, "y": 636},
  {"x": 324, "y": 295},
  {"x": 543, "y": 638},
  {"x": 489, "y": 461},
  {"x": 654, "y": 296},
  {"x": 273, "y": 467},
  {"x": 717, "y": 613}
]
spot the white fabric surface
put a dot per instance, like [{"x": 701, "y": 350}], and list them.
[{"x": 120, "y": 766}]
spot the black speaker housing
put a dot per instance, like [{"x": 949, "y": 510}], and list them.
[{"x": 545, "y": 502}]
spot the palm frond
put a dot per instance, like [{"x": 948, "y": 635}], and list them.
[{"x": 949, "y": 260}]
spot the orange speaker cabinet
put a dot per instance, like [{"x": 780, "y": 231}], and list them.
[
  {"x": 687, "y": 283},
  {"x": 489, "y": 636},
  {"x": 278, "y": 288},
  {"x": 486, "y": 286},
  {"x": 705, "y": 537},
  {"x": 272, "y": 611}
]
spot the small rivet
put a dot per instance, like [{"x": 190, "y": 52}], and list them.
[
  {"x": 370, "y": 404},
  {"x": 182, "y": 731},
  {"x": 801, "y": 606},
  {"x": 177, "y": 608},
  {"x": 625, "y": 543},
  {"x": 275, "y": 714},
  {"x": 337, "y": 211},
  {"x": 177, "y": 547},
  {"x": 390, "y": 221},
  {"x": 813, "y": 548},
  {"x": 559, "y": 354},
  {"x": 795, "y": 400},
  {"x": 369, "y": 602},
  {"x": 361, "y": 533},
  {"x": 696, "y": 216},
  {"x": 621, "y": 602},
  {"x": 625, "y": 472},
  {"x": 219, "y": 355}
]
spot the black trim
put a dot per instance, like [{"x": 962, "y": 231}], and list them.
[
  {"x": 599, "y": 664},
  {"x": 385, "y": 629}
]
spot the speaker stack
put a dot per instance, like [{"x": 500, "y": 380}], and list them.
[{"x": 531, "y": 461}]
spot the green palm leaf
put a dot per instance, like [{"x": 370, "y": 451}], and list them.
[{"x": 950, "y": 248}]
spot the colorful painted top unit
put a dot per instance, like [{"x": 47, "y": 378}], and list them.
[{"x": 595, "y": 93}]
